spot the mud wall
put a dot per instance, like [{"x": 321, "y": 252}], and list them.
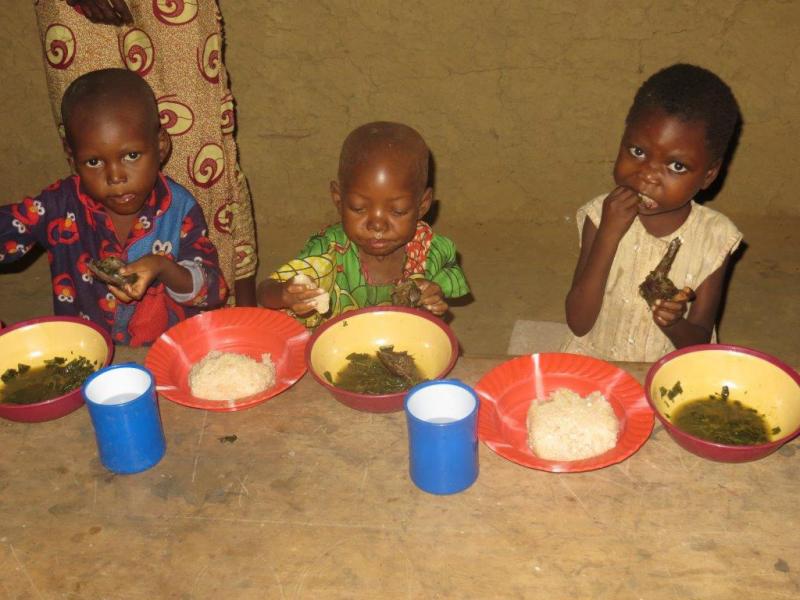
[{"x": 521, "y": 101}]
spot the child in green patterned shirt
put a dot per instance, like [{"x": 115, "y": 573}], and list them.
[{"x": 381, "y": 195}]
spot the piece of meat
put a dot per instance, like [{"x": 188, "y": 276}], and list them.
[
  {"x": 107, "y": 270},
  {"x": 400, "y": 364},
  {"x": 407, "y": 293},
  {"x": 657, "y": 285}
]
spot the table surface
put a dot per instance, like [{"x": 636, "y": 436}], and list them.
[{"x": 311, "y": 499}]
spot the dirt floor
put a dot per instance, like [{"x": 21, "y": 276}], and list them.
[{"x": 515, "y": 274}]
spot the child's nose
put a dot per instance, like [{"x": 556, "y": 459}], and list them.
[
  {"x": 648, "y": 173},
  {"x": 115, "y": 174},
  {"x": 376, "y": 221}
]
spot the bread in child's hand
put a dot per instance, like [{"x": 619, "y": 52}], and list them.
[{"x": 321, "y": 303}]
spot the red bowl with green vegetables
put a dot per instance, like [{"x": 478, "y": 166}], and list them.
[
  {"x": 80, "y": 347},
  {"x": 714, "y": 392}
]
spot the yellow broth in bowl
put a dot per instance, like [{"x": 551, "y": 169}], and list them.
[
  {"x": 723, "y": 420},
  {"x": 57, "y": 376},
  {"x": 48, "y": 357}
]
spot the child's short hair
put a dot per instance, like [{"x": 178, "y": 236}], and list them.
[
  {"x": 104, "y": 87},
  {"x": 691, "y": 93},
  {"x": 384, "y": 136}
]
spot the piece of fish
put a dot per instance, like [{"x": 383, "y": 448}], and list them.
[
  {"x": 400, "y": 364},
  {"x": 407, "y": 293},
  {"x": 107, "y": 270},
  {"x": 657, "y": 285}
]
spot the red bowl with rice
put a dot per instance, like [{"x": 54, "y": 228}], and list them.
[
  {"x": 508, "y": 391},
  {"x": 251, "y": 332}
]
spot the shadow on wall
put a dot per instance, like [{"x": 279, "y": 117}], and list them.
[
  {"x": 708, "y": 194},
  {"x": 431, "y": 218}
]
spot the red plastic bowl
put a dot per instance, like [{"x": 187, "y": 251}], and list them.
[
  {"x": 755, "y": 378},
  {"x": 427, "y": 338},
  {"x": 506, "y": 393},
  {"x": 32, "y": 342},
  {"x": 249, "y": 331}
]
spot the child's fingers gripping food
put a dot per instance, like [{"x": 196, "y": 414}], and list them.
[
  {"x": 306, "y": 296},
  {"x": 120, "y": 294},
  {"x": 669, "y": 312},
  {"x": 685, "y": 295},
  {"x": 146, "y": 270},
  {"x": 432, "y": 297}
]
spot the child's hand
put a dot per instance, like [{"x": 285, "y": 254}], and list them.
[
  {"x": 432, "y": 297},
  {"x": 147, "y": 269},
  {"x": 619, "y": 210},
  {"x": 298, "y": 297},
  {"x": 669, "y": 312}
]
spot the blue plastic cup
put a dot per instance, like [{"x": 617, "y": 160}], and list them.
[
  {"x": 123, "y": 406},
  {"x": 442, "y": 420}
]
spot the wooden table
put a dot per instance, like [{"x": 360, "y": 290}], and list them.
[{"x": 313, "y": 500}]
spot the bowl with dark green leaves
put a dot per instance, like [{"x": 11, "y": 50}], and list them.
[
  {"x": 44, "y": 362},
  {"x": 368, "y": 358},
  {"x": 724, "y": 402}
]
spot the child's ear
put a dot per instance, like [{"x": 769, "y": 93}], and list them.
[
  {"x": 712, "y": 173},
  {"x": 336, "y": 196},
  {"x": 164, "y": 144},
  {"x": 69, "y": 153},
  {"x": 425, "y": 202}
]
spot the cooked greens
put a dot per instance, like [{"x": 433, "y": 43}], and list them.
[
  {"x": 384, "y": 372},
  {"x": 26, "y": 385},
  {"x": 722, "y": 420}
]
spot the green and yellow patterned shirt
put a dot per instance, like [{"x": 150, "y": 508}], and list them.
[{"x": 331, "y": 259}]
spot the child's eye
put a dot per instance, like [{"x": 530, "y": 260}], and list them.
[
  {"x": 636, "y": 151},
  {"x": 677, "y": 167},
  {"x": 92, "y": 162},
  {"x": 398, "y": 212},
  {"x": 357, "y": 209},
  {"x": 132, "y": 156}
]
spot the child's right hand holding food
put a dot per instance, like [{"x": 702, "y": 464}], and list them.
[
  {"x": 668, "y": 312},
  {"x": 432, "y": 297},
  {"x": 147, "y": 269},
  {"x": 301, "y": 295}
]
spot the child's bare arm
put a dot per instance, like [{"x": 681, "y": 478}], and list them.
[
  {"x": 697, "y": 326},
  {"x": 246, "y": 291},
  {"x": 285, "y": 294},
  {"x": 598, "y": 248}
]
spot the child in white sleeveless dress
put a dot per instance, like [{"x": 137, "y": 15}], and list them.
[{"x": 677, "y": 133}]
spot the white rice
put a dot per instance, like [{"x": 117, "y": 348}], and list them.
[
  {"x": 566, "y": 426},
  {"x": 230, "y": 376}
]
